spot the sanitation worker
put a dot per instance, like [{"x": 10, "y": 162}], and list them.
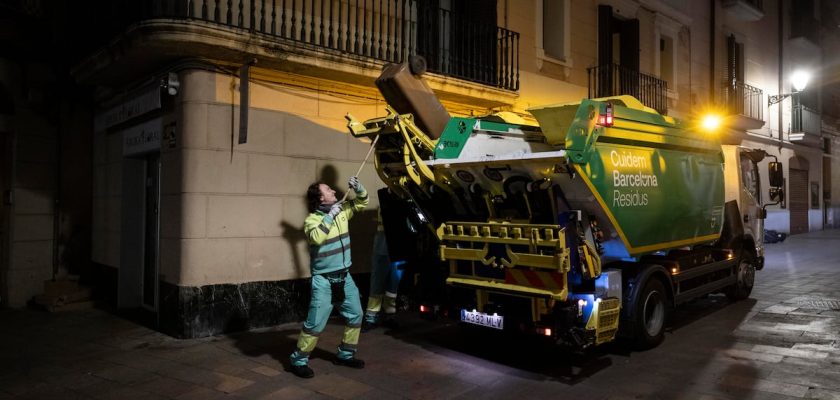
[
  {"x": 326, "y": 229},
  {"x": 384, "y": 281}
]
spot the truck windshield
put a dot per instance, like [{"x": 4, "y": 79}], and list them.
[{"x": 749, "y": 176}]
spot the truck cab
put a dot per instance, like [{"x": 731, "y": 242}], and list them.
[{"x": 743, "y": 185}]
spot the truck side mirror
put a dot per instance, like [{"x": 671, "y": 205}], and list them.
[{"x": 776, "y": 174}]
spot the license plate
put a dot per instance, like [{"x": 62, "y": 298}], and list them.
[{"x": 494, "y": 321}]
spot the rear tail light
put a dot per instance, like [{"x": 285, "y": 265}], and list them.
[{"x": 606, "y": 119}]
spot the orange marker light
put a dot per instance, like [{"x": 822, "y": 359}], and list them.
[{"x": 711, "y": 123}]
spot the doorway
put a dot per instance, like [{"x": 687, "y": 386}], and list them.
[
  {"x": 618, "y": 54},
  {"x": 140, "y": 232},
  {"x": 828, "y": 218},
  {"x": 5, "y": 207},
  {"x": 798, "y": 201},
  {"x": 151, "y": 234},
  {"x": 7, "y": 110}
]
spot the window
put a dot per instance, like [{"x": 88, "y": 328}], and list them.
[
  {"x": 665, "y": 50},
  {"x": 458, "y": 37},
  {"x": 735, "y": 89},
  {"x": 553, "y": 41},
  {"x": 804, "y": 22},
  {"x": 666, "y": 60},
  {"x": 750, "y": 179},
  {"x": 734, "y": 60}
]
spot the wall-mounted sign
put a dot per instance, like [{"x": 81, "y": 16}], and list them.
[
  {"x": 145, "y": 101},
  {"x": 142, "y": 138}
]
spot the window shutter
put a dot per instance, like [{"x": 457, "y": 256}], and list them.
[
  {"x": 630, "y": 44},
  {"x": 731, "y": 60},
  {"x": 604, "y": 35}
]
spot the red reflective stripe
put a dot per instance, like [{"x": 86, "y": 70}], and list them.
[
  {"x": 559, "y": 278},
  {"x": 509, "y": 278},
  {"x": 533, "y": 279},
  {"x": 515, "y": 277}
]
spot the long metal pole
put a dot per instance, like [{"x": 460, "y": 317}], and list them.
[{"x": 370, "y": 151}]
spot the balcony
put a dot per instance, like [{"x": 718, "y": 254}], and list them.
[
  {"x": 615, "y": 80},
  {"x": 455, "y": 46},
  {"x": 360, "y": 31},
  {"x": 745, "y": 10},
  {"x": 744, "y": 104},
  {"x": 806, "y": 126}
]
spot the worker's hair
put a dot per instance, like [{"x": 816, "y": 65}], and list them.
[{"x": 313, "y": 196}]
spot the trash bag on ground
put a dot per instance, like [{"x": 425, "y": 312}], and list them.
[{"x": 772, "y": 236}]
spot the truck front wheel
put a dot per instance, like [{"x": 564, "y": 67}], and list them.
[
  {"x": 745, "y": 277},
  {"x": 649, "y": 315}
]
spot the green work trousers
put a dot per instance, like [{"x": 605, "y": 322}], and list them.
[{"x": 320, "y": 307}]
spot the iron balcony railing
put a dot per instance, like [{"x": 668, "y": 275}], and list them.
[
  {"x": 805, "y": 120},
  {"x": 481, "y": 53},
  {"x": 614, "y": 80},
  {"x": 386, "y": 30},
  {"x": 743, "y": 99}
]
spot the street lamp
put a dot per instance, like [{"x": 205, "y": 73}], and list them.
[{"x": 799, "y": 80}]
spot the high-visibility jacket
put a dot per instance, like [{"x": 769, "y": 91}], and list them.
[{"x": 329, "y": 239}]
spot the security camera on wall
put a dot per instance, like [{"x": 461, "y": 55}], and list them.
[{"x": 171, "y": 84}]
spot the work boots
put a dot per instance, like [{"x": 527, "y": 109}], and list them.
[
  {"x": 369, "y": 326},
  {"x": 350, "y": 362},
  {"x": 388, "y": 322},
  {"x": 302, "y": 371}
]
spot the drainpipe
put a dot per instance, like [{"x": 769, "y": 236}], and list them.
[
  {"x": 56, "y": 260},
  {"x": 781, "y": 71},
  {"x": 712, "y": 24}
]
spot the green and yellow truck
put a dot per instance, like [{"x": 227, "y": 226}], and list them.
[{"x": 594, "y": 221}]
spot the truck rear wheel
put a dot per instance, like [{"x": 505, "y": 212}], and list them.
[
  {"x": 745, "y": 275},
  {"x": 650, "y": 311}
]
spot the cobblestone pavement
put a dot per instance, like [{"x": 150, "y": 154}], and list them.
[{"x": 782, "y": 343}]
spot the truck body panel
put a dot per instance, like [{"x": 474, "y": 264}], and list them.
[{"x": 576, "y": 222}]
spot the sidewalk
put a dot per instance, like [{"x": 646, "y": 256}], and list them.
[{"x": 782, "y": 343}]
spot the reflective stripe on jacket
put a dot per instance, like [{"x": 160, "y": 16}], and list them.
[{"x": 329, "y": 240}]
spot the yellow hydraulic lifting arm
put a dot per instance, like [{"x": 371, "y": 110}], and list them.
[{"x": 416, "y": 143}]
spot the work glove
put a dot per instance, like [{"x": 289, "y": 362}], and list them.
[
  {"x": 356, "y": 185},
  {"x": 335, "y": 209}
]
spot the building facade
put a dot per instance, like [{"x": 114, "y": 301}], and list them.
[
  {"x": 202, "y": 122},
  {"x": 45, "y": 174}
]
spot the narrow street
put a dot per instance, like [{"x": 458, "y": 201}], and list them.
[{"x": 782, "y": 343}]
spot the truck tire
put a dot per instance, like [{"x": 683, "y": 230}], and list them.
[
  {"x": 745, "y": 272},
  {"x": 649, "y": 313}
]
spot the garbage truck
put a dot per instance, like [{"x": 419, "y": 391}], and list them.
[{"x": 590, "y": 221}]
